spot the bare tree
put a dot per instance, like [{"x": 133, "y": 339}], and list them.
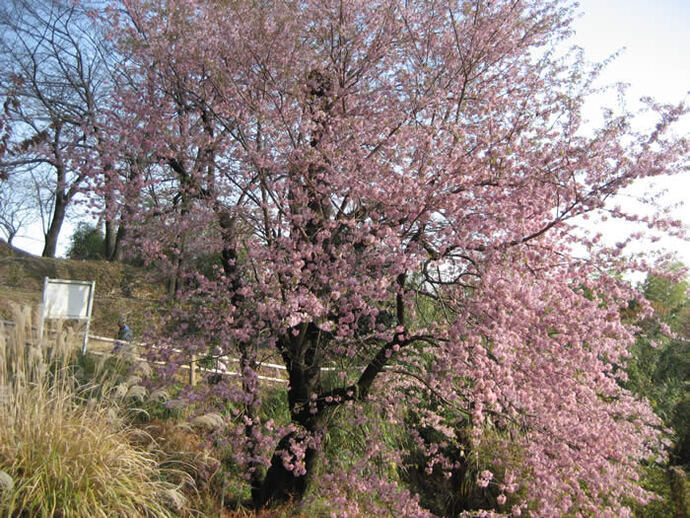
[
  {"x": 54, "y": 64},
  {"x": 16, "y": 208}
]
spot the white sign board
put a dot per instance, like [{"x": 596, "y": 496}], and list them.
[
  {"x": 63, "y": 300},
  {"x": 68, "y": 300}
]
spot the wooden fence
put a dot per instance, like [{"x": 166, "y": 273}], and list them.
[{"x": 104, "y": 346}]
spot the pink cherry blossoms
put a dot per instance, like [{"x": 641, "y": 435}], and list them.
[{"x": 389, "y": 190}]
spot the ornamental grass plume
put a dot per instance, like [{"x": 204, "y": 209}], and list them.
[{"x": 63, "y": 452}]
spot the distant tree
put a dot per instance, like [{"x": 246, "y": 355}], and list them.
[
  {"x": 659, "y": 368},
  {"x": 16, "y": 208},
  {"x": 352, "y": 162},
  {"x": 87, "y": 243}
]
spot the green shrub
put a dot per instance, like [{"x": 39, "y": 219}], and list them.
[{"x": 87, "y": 243}]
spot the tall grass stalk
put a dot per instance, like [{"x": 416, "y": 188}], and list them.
[{"x": 63, "y": 451}]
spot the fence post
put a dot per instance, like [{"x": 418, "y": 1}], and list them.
[{"x": 192, "y": 371}]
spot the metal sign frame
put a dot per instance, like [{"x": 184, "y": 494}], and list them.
[{"x": 67, "y": 299}]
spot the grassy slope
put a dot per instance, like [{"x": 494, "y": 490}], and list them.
[{"x": 120, "y": 289}]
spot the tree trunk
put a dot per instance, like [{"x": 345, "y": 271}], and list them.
[
  {"x": 174, "y": 281},
  {"x": 51, "y": 237},
  {"x": 111, "y": 232},
  {"x": 118, "y": 247},
  {"x": 126, "y": 216},
  {"x": 109, "y": 215},
  {"x": 303, "y": 363},
  {"x": 300, "y": 354},
  {"x": 281, "y": 484}
]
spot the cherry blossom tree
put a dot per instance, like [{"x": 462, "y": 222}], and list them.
[{"x": 392, "y": 190}]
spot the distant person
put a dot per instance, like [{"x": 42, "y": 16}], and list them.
[{"x": 124, "y": 334}]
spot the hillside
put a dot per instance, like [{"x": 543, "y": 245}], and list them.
[{"x": 120, "y": 289}]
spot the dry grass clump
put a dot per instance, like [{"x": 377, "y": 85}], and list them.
[
  {"x": 64, "y": 450},
  {"x": 195, "y": 460}
]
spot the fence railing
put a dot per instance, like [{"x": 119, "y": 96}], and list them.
[{"x": 193, "y": 366}]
